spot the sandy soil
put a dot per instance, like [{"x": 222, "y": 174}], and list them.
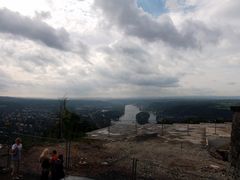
[{"x": 178, "y": 154}]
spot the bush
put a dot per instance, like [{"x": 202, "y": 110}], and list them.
[{"x": 142, "y": 118}]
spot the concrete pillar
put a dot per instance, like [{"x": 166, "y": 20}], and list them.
[{"x": 235, "y": 141}]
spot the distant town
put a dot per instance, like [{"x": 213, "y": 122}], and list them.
[{"x": 39, "y": 116}]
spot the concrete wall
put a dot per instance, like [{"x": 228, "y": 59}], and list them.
[{"x": 235, "y": 141}]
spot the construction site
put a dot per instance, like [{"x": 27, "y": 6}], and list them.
[{"x": 151, "y": 151}]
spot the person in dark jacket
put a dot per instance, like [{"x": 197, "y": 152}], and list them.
[
  {"x": 60, "y": 168},
  {"x": 45, "y": 164}
]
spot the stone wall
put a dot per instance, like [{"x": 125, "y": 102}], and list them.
[{"x": 235, "y": 141}]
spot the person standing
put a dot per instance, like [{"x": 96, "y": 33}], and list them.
[
  {"x": 53, "y": 165},
  {"x": 60, "y": 168},
  {"x": 16, "y": 158},
  {"x": 45, "y": 164}
]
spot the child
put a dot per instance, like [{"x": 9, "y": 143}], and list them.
[{"x": 53, "y": 163}]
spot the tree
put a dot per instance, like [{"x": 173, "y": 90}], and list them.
[
  {"x": 76, "y": 125},
  {"x": 70, "y": 125},
  {"x": 142, "y": 117}
]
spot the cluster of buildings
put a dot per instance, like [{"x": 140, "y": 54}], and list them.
[{"x": 27, "y": 121}]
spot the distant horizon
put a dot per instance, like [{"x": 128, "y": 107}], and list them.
[{"x": 128, "y": 98}]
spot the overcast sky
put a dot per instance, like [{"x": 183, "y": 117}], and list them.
[{"x": 119, "y": 48}]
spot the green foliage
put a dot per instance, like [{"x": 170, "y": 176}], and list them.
[
  {"x": 193, "y": 110},
  {"x": 142, "y": 117},
  {"x": 101, "y": 119},
  {"x": 75, "y": 126}
]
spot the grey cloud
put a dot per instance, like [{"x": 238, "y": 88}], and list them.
[
  {"x": 42, "y": 15},
  {"x": 5, "y": 81},
  {"x": 75, "y": 87},
  {"x": 37, "y": 30},
  {"x": 130, "y": 64},
  {"x": 152, "y": 80},
  {"x": 230, "y": 11},
  {"x": 9, "y": 85},
  {"x": 40, "y": 59},
  {"x": 81, "y": 49},
  {"x": 201, "y": 31},
  {"x": 232, "y": 83},
  {"x": 33, "y": 60},
  {"x": 3, "y": 85},
  {"x": 37, "y": 62},
  {"x": 126, "y": 15},
  {"x": 34, "y": 29},
  {"x": 130, "y": 50}
]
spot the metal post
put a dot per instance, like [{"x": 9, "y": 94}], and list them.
[
  {"x": 215, "y": 126},
  {"x": 66, "y": 163},
  {"x": 162, "y": 124},
  {"x": 136, "y": 129},
  {"x": 133, "y": 164},
  {"x": 134, "y": 169},
  {"x": 69, "y": 154},
  {"x": 162, "y": 127}
]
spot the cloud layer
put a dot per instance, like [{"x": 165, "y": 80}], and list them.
[
  {"x": 114, "y": 48},
  {"x": 135, "y": 22},
  {"x": 14, "y": 23}
]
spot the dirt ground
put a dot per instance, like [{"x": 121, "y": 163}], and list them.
[{"x": 174, "y": 154}]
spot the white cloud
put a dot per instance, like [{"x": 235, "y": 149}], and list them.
[{"x": 114, "y": 49}]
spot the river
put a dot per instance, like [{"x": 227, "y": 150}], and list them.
[{"x": 130, "y": 112}]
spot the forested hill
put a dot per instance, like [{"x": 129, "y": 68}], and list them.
[{"x": 199, "y": 110}]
